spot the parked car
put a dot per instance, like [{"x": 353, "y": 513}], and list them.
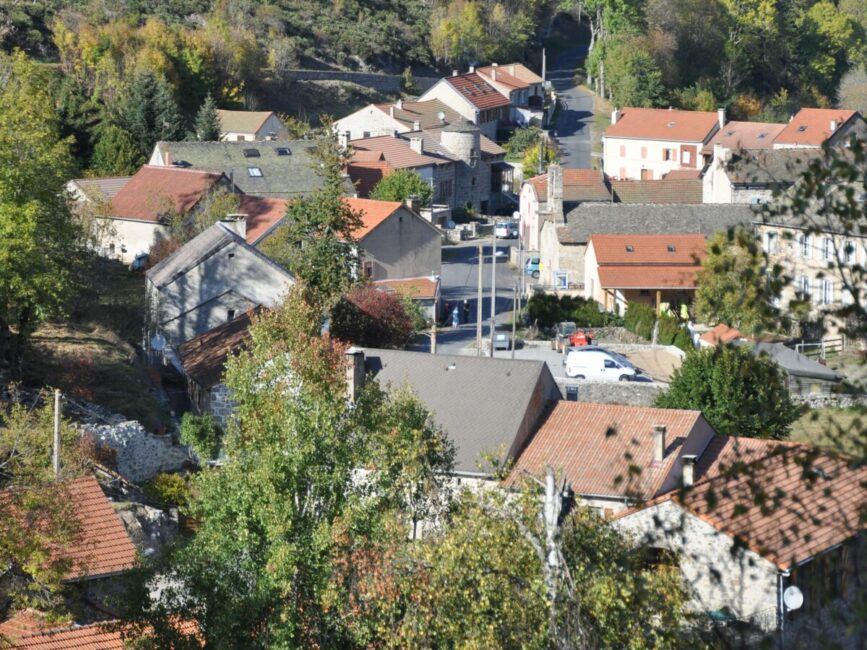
[
  {"x": 599, "y": 365},
  {"x": 506, "y": 230},
  {"x": 533, "y": 266},
  {"x": 561, "y": 337},
  {"x": 502, "y": 340}
]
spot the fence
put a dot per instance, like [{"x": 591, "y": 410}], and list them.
[{"x": 822, "y": 349}]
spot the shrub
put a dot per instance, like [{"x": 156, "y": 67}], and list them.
[
  {"x": 372, "y": 318},
  {"x": 640, "y": 318},
  {"x": 92, "y": 449},
  {"x": 202, "y": 433},
  {"x": 683, "y": 340},
  {"x": 171, "y": 489},
  {"x": 544, "y": 308}
]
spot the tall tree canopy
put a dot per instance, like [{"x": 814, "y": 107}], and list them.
[
  {"x": 149, "y": 113},
  {"x": 402, "y": 185},
  {"x": 207, "y": 126}
]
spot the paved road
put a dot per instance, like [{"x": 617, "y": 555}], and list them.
[{"x": 576, "y": 112}]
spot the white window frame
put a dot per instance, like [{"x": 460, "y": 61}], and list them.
[
  {"x": 561, "y": 279},
  {"x": 850, "y": 253},
  {"x": 827, "y": 249},
  {"x": 772, "y": 242},
  {"x": 806, "y": 242}
]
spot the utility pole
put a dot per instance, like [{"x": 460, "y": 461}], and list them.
[
  {"x": 56, "y": 458},
  {"x": 544, "y": 66},
  {"x": 433, "y": 338},
  {"x": 514, "y": 317},
  {"x": 479, "y": 302},
  {"x": 493, "y": 286},
  {"x": 522, "y": 271}
]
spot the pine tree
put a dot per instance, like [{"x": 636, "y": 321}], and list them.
[
  {"x": 149, "y": 113},
  {"x": 207, "y": 125}
]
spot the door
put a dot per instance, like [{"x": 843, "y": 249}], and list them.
[{"x": 646, "y": 175}]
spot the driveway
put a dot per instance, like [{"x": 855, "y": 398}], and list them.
[{"x": 576, "y": 110}]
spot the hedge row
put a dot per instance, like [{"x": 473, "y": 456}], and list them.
[
  {"x": 640, "y": 318},
  {"x": 547, "y": 310}
]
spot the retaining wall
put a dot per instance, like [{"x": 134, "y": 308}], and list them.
[
  {"x": 631, "y": 393},
  {"x": 384, "y": 83}
]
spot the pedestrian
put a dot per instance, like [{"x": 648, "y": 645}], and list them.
[
  {"x": 466, "y": 310},
  {"x": 456, "y": 317},
  {"x": 447, "y": 311}
]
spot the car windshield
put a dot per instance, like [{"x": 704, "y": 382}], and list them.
[{"x": 567, "y": 329}]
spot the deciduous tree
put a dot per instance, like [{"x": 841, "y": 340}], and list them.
[
  {"x": 402, "y": 185},
  {"x": 369, "y": 317}
]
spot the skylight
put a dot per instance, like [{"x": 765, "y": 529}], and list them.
[
  {"x": 255, "y": 172},
  {"x": 670, "y": 124},
  {"x": 251, "y": 153},
  {"x": 762, "y": 136},
  {"x": 802, "y": 128},
  {"x": 671, "y": 248},
  {"x": 283, "y": 151}
]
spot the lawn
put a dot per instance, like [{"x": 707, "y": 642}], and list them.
[
  {"x": 837, "y": 429},
  {"x": 91, "y": 356}
]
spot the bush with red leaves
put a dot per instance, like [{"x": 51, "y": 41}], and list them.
[{"x": 369, "y": 317}]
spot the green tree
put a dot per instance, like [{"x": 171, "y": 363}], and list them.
[
  {"x": 39, "y": 239},
  {"x": 317, "y": 242},
  {"x": 115, "y": 153},
  {"x": 631, "y": 74},
  {"x": 148, "y": 113},
  {"x": 532, "y": 164},
  {"x": 207, "y": 125},
  {"x": 735, "y": 285},
  {"x": 202, "y": 433},
  {"x": 739, "y": 393},
  {"x": 402, "y": 185}
]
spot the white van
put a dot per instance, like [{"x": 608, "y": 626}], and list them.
[{"x": 598, "y": 365}]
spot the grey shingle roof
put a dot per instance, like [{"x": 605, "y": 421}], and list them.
[
  {"x": 103, "y": 188},
  {"x": 616, "y": 218},
  {"x": 191, "y": 254},
  {"x": 795, "y": 363},
  {"x": 772, "y": 167},
  {"x": 284, "y": 176},
  {"x": 480, "y": 403}
]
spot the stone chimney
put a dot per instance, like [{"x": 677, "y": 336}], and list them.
[
  {"x": 555, "y": 190},
  {"x": 721, "y": 117},
  {"x": 237, "y": 223},
  {"x": 417, "y": 145},
  {"x": 354, "y": 372},
  {"x": 658, "y": 443},
  {"x": 454, "y": 73},
  {"x": 399, "y": 104},
  {"x": 833, "y": 126},
  {"x": 413, "y": 203},
  {"x": 472, "y": 69},
  {"x": 688, "y": 461},
  {"x": 615, "y": 115},
  {"x": 416, "y": 126}
]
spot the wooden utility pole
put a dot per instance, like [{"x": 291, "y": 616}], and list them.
[
  {"x": 433, "y": 338},
  {"x": 514, "y": 316},
  {"x": 479, "y": 302},
  {"x": 493, "y": 286},
  {"x": 56, "y": 458}
]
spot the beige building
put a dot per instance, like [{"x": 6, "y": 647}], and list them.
[
  {"x": 475, "y": 99},
  {"x": 400, "y": 117},
  {"x": 249, "y": 126},
  {"x": 648, "y": 143}
]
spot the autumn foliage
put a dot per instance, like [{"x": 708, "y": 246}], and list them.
[{"x": 369, "y": 317}]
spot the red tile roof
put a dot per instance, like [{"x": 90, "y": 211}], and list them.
[
  {"x": 154, "y": 191},
  {"x": 365, "y": 176},
  {"x": 722, "y": 333},
  {"x": 666, "y": 190},
  {"x": 682, "y": 175},
  {"x": 663, "y": 124},
  {"x": 578, "y": 185},
  {"x": 648, "y": 277},
  {"x": 514, "y": 75},
  {"x": 396, "y": 152},
  {"x": 477, "y": 91},
  {"x": 373, "y": 213},
  {"x": 745, "y": 135},
  {"x": 787, "y": 506},
  {"x": 416, "y": 288},
  {"x": 598, "y": 447},
  {"x": 204, "y": 358},
  {"x": 648, "y": 249},
  {"x": 812, "y": 126},
  {"x": 262, "y": 213}
]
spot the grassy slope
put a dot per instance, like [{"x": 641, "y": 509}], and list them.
[{"x": 838, "y": 429}]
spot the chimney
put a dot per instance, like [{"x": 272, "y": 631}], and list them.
[
  {"x": 454, "y": 73},
  {"x": 495, "y": 65},
  {"x": 237, "y": 223},
  {"x": 494, "y": 74},
  {"x": 658, "y": 443},
  {"x": 343, "y": 139},
  {"x": 615, "y": 115},
  {"x": 416, "y": 126},
  {"x": 721, "y": 117},
  {"x": 833, "y": 126},
  {"x": 391, "y": 111},
  {"x": 354, "y": 372},
  {"x": 399, "y": 104},
  {"x": 472, "y": 69},
  {"x": 413, "y": 203},
  {"x": 417, "y": 145},
  {"x": 688, "y": 461},
  {"x": 555, "y": 190}
]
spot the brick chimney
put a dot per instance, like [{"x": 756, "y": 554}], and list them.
[
  {"x": 658, "y": 443},
  {"x": 688, "y": 461},
  {"x": 354, "y": 372}
]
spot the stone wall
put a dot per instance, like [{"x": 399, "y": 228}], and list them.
[
  {"x": 631, "y": 393},
  {"x": 384, "y": 83},
  {"x": 140, "y": 454},
  {"x": 221, "y": 405},
  {"x": 829, "y": 400}
]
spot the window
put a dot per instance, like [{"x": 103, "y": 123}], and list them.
[
  {"x": 806, "y": 244},
  {"x": 849, "y": 252},
  {"x": 827, "y": 292},
  {"x": 672, "y": 248},
  {"x": 230, "y": 314},
  {"x": 668, "y": 154},
  {"x": 803, "y": 287},
  {"x": 255, "y": 172},
  {"x": 111, "y": 250},
  {"x": 685, "y": 157},
  {"x": 561, "y": 279},
  {"x": 283, "y": 151},
  {"x": 368, "y": 269},
  {"x": 771, "y": 243},
  {"x": 610, "y": 364},
  {"x": 644, "y": 152},
  {"x": 630, "y": 248},
  {"x": 251, "y": 153},
  {"x": 827, "y": 249},
  {"x": 241, "y": 138},
  {"x": 622, "y": 150},
  {"x": 365, "y": 134},
  {"x": 445, "y": 191}
]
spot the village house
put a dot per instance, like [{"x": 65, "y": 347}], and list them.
[
  {"x": 549, "y": 196},
  {"x": 464, "y": 168},
  {"x": 656, "y": 270},
  {"x": 241, "y": 126},
  {"x": 648, "y": 143},
  {"x": 523, "y": 87},
  {"x": 563, "y": 245},
  {"x": 740, "y": 552},
  {"x": 424, "y": 291},
  {"x": 475, "y": 99},
  {"x": 816, "y": 127},
  {"x": 804, "y": 376},
  {"x": 137, "y": 216},
  {"x": 96, "y": 191},
  {"x": 399, "y": 117},
  {"x": 213, "y": 278},
  {"x": 595, "y": 447},
  {"x": 277, "y": 169},
  {"x": 487, "y": 407}
]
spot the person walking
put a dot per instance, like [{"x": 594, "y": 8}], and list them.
[
  {"x": 456, "y": 317},
  {"x": 466, "y": 311}
]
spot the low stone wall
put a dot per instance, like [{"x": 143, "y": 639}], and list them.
[
  {"x": 830, "y": 400},
  {"x": 140, "y": 454},
  {"x": 384, "y": 83},
  {"x": 631, "y": 393}
]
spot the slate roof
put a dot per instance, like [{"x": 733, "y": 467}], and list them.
[
  {"x": 769, "y": 167},
  {"x": 424, "y": 112},
  {"x": 663, "y": 124},
  {"x": 263, "y": 213},
  {"x": 812, "y": 126},
  {"x": 578, "y": 185},
  {"x": 595, "y": 445},
  {"x": 242, "y": 121},
  {"x": 745, "y": 135},
  {"x": 477, "y": 91},
  {"x": 479, "y": 402},
  {"x": 153, "y": 191},
  {"x": 666, "y": 190},
  {"x": 204, "y": 357},
  {"x": 283, "y": 176},
  {"x": 795, "y": 363},
  {"x": 104, "y": 188},
  {"x": 613, "y": 218}
]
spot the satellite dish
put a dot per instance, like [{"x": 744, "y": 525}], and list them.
[
  {"x": 441, "y": 116},
  {"x": 793, "y": 598}
]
